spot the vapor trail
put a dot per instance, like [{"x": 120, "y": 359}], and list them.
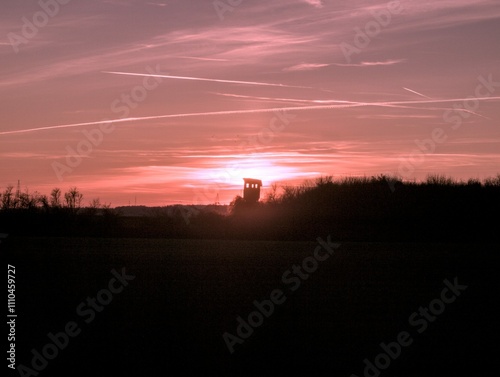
[
  {"x": 207, "y": 79},
  {"x": 234, "y": 112},
  {"x": 123, "y": 120},
  {"x": 417, "y": 93},
  {"x": 282, "y": 99},
  {"x": 439, "y": 109}
]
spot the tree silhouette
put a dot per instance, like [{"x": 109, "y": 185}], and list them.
[
  {"x": 73, "y": 198},
  {"x": 55, "y": 198},
  {"x": 7, "y": 198}
]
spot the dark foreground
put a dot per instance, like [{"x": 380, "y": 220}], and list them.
[{"x": 170, "y": 319}]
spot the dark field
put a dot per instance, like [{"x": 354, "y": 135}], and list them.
[{"x": 187, "y": 293}]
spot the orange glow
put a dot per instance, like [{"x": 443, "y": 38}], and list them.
[
  {"x": 256, "y": 166},
  {"x": 197, "y": 105}
]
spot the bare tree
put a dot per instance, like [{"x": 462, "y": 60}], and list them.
[
  {"x": 25, "y": 200},
  {"x": 93, "y": 207},
  {"x": 272, "y": 195},
  {"x": 30, "y": 201},
  {"x": 44, "y": 201},
  {"x": 324, "y": 180},
  {"x": 7, "y": 198},
  {"x": 95, "y": 203},
  {"x": 290, "y": 193},
  {"x": 73, "y": 198},
  {"x": 492, "y": 181},
  {"x": 55, "y": 197}
]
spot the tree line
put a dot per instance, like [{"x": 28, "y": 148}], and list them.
[
  {"x": 71, "y": 199},
  {"x": 378, "y": 208}
]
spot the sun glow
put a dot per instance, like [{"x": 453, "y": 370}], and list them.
[{"x": 255, "y": 166}]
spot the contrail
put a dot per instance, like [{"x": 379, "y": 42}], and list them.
[
  {"x": 417, "y": 93},
  {"x": 439, "y": 109},
  {"x": 234, "y": 112},
  {"x": 318, "y": 101},
  {"x": 123, "y": 120},
  {"x": 206, "y": 79},
  {"x": 197, "y": 58}
]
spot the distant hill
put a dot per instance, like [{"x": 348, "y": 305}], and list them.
[{"x": 171, "y": 210}]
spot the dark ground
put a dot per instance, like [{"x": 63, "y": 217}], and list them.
[{"x": 170, "y": 319}]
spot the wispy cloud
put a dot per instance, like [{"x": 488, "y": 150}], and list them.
[
  {"x": 305, "y": 67},
  {"x": 315, "y": 3},
  {"x": 157, "y": 4},
  {"x": 372, "y": 64},
  {"x": 198, "y": 58}
]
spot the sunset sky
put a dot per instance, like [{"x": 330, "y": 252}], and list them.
[{"x": 203, "y": 94}]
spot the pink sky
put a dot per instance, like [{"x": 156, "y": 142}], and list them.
[{"x": 212, "y": 112}]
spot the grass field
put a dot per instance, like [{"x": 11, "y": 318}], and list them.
[{"x": 187, "y": 293}]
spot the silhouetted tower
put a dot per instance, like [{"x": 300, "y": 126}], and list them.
[{"x": 251, "y": 190}]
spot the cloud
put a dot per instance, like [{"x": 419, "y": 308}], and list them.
[
  {"x": 446, "y": 14},
  {"x": 315, "y": 3},
  {"x": 304, "y": 67},
  {"x": 372, "y": 64}
]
